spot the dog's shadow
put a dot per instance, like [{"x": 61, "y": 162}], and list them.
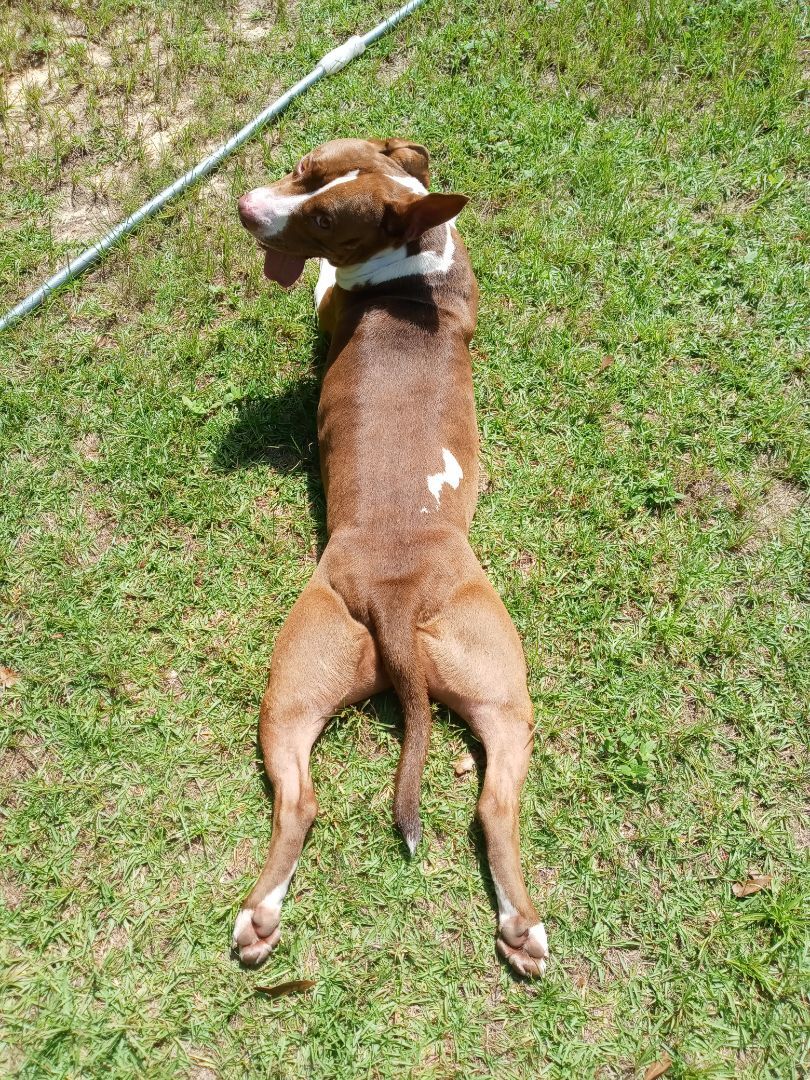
[{"x": 279, "y": 432}]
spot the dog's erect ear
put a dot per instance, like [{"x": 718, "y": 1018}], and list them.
[
  {"x": 407, "y": 221},
  {"x": 410, "y": 156}
]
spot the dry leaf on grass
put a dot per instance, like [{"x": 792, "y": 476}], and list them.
[
  {"x": 658, "y": 1068},
  {"x": 280, "y": 989},
  {"x": 8, "y": 678},
  {"x": 755, "y": 883},
  {"x": 606, "y": 362},
  {"x": 464, "y": 765}
]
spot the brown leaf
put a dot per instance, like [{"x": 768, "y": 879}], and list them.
[
  {"x": 463, "y": 765},
  {"x": 755, "y": 883},
  {"x": 8, "y": 678},
  {"x": 280, "y": 989},
  {"x": 606, "y": 362},
  {"x": 658, "y": 1068}
]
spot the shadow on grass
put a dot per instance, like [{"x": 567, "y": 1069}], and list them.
[{"x": 279, "y": 432}]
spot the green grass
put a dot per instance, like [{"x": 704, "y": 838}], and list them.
[{"x": 639, "y": 222}]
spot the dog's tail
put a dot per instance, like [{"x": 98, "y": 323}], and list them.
[{"x": 396, "y": 638}]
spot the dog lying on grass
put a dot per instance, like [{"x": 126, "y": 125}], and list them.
[{"x": 398, "y": 598}]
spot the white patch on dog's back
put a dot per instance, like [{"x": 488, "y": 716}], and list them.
[{"x": 452, "y": 476}]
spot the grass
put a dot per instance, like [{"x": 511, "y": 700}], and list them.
[{"x": 639, "y": 226}]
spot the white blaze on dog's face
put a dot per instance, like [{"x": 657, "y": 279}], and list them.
[{"x": 346, "y": 201}]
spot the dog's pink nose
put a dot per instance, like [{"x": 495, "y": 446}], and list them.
[{"x": 247, "y": 210}]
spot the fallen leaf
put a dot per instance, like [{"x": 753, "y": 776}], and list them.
[
  {"x": 755, "y": 883},
  {"x": 464, "y": 765},
  {"x": 280, "y": 989},
  {"x": 658, "y": 1068},
  {"x": 606, "y": 362},
  {"x": 8, "y": 678}
]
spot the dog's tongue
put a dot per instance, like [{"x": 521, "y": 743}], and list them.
[{"x": 285, "y": 269}]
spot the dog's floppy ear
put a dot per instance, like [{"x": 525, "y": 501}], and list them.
[
  {"x": 410, "y": 156},
  {"x": 408, "y": 220}
]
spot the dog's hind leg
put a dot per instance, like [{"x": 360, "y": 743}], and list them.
[
  {"x": 475, "y": 665},
  {"x": 323, "y": 660}
]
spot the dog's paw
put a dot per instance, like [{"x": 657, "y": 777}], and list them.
[
  {"x": 256, "y": 933},
  {"x": 526, "y": 948}
]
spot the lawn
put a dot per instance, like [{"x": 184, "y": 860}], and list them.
[{"x": 639, "y": 226}]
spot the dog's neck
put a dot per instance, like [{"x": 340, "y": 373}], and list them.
[
  {"x": 396, "y": 263},
  {"x": 393, "y": 263}
]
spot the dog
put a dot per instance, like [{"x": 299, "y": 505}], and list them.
[{"x": 398, "y": 599}]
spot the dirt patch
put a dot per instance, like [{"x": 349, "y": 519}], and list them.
[
  {"x": 485, "y": 484},
  {"x": 155, "y": 126},
  {"x": 88, "y": 93},
  {"x": 202, "y": 1072},
  {"x": 392, "y": 68},
  {"x": 28, "y": 94},
  {"x": 543, "y": 880},
  {"x": 624, "y": 962},
  {"x": 705, "y": 493},
  {"x": 267, "y": 506},
  {"x": 19, "y": 87},
  {"x": 615, "y": 430},
  {"x": 88, "y": 446},
  {"x": 801, "y": 832},
  {"x": 115, "y": 937},
  {"x": 580, "y": 973},
  {"x": 82, "y": 214},
  {"x": 20, "y": 761},
  {"x": 251, "y": 21},
  {"x": 242, "y": 861},
  {"x": 11, "y": 894},
  {"x": 488, "y": 209},
  {"x": 172, "y": 684},
  {"x": 96, "y": 55},
  {"x": 780, "y": 501},
  {"x": 526, "y": 562},
  {"x": 27, "y": 757},
  {"x": 104, "y": 528},
  {"x": 601, "y": 1024},
  {"x": 218, "y": 188}
]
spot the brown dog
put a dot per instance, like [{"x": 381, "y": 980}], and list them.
[{"x": 398, "y": 597}]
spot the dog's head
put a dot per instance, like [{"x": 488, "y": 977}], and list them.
[{"x": 345, "y": 201}]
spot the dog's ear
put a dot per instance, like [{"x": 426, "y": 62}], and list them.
[
  {"x": 410, "y": 156},
  {"x": 408, "y": 220}
]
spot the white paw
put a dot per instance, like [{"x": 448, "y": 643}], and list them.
[
  {"x": 256, "y": 933},
  {"x": 526, "y": 951}
]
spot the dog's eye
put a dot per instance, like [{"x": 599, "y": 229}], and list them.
[
  {"x": 323, "y": 221},
  {"x": 301, "y": 167}
]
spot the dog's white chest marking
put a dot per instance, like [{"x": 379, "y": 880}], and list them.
[
  {"x": 452, "y": 476},
  {"x": 326, "y": 279},
  {"x": 275, "y": 210}
]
